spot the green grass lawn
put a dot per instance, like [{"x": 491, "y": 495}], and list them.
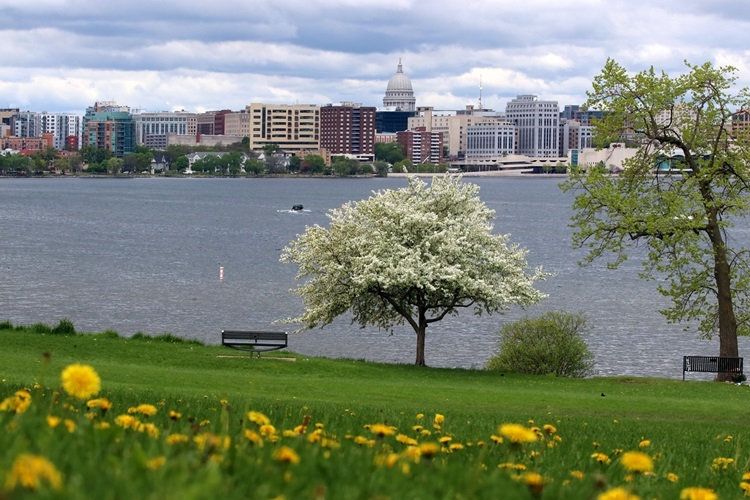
[{"x": 688, "y": 424}]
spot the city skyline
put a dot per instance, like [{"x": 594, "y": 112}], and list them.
[{"x": 62, "y": 55}]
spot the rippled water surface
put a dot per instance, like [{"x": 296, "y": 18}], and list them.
[{"x": 144, "y": 255}]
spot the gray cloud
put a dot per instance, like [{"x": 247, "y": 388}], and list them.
[{"x": 226, "y": 53}]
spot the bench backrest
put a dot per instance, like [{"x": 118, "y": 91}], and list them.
[
  {"x": 711, "y": 364},
  {"x": 245, "y": 335}
]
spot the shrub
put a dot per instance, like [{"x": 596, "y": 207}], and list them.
[
  {"x": 64, "y": 327},
  {"x": 548, "y": 344},
  {"x": 40, "y": 328},
  {"x": 6, "y": 325}
]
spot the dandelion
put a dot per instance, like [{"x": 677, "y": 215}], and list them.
[
  {"x": 286, "y": 455},
  {"x": 176, "y": 438},
  {"x": 618, "y": 493},
  {"x": 382, "y": 430},
  {"x": 18, "y": 403},
  {"x": 413, "y": 453},
  {"x": 174, "y": 415},
  {"x": 70, "y": 425},
  {"x": 417, "y": 428},
  {"x": 420, "y": 416},
  {"x": 577, "y": 474},
  {"x": 644, "y": 443},
  {"x": 101, "y": 425},
  {"x": 672, "y": 477},
  {"x": 496, "y": 439},
  {"x": 445, "y": 439},
  {"x": 601, "y": 458},
  {"x": 636, "y": 461},
  {"x": 425, "y": 433},
  {"x": 388, "y": 460},
  {"x": 267, "y": 430},
  {"x": 404, "y": 439},
  {"x": 253, "y": 437},
  {"x": 258, "y": 418},
  {"x": 149, "y": 429},
  {"x": 31, "y": 471},
  {"x": 156, "y": 463},
  {"x": 53, "y": 421},
  {"x": 745, "y": 487},
  {"x": 102, "y": 404},
  {"x": 511, "y": 466},
  {"x": 456, "y": 447},
  {"x": 80, "y": 381},
  {"x": 429, "y": 450},
  {"x": 517, "y": 433},
  {"x": 549, "y": 429},
  {"x": 146, "y": 410},
  {"x": 746, "y": 476},
  {"x": 127, "y": 421},
  {"x": 534, "y": 481},
  {"x": 721, "y": 463},
  {"x": 363, "y": 441},
  {"x": 698, "y": 493}
]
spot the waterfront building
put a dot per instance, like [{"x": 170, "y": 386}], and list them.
[
  {"x": 26, "y": 145},
  {"x": 237, "y": 123},
  {"x": 421, "y": 146},
  {"x": 347, "y": 129},
  {"x": 26, "y": 124},
  {"x": 202, "y": 140},
  {"x": 392, "y": 121},
  {"x": 294, "y": 128},
  {"x": 575, "y": 135},
  {"x": 584, "y": 117},
  {"x": 107, "y": 125},
  {"x": 152, "y": 129},
  {"x": 612, "y": 158},
  {"x": 65, "y": 128},
  {"x": 490, "y": 139},
  {"x": 741, "y": 123},
  {"x": 399, "y": 95},
  {"x": 537, "y": 122},
  {"x": 452, "y": 124},
  {"x": 6, "y": 117}
]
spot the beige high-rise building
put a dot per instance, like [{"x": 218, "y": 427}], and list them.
[
  {"x": 237, "y": 123},
  {"x": 453, "y": 125},
  {"x": 295, "y": 128}
]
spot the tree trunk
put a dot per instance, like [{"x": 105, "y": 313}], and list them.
[
  {"x": 727, "y": 320},
  {"x": 421, "y": 330}
]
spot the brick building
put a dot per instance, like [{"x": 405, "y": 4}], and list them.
[{"x": 347, "y": 129}]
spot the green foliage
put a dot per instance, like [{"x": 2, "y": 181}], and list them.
[
  {"x": 166, "y": 338},
  {"x": 64, "y": 327},
  {"x": 549, "y": 344},
  {"x": 345, "y": 166},
  {"x": 6, "y": 325},
  {"x": 16, "y": 164},
  {"x": 685, "y": 221},
  {"x": 313, "y": 164},
  {"x": 254, "y": 166},
  {"x": 39, "y": 328},
  {"x": 381, "y": 168},
  {"x": 389, "y": 152}
]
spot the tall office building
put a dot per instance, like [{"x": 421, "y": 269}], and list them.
[
  {"x": 109, "y": 126},
  {"x": 538, "y": 125},
  {"x": 490, "y": 140},
  {"x": 421, "y": 146},
  {"x": 152, "y": 129},
  {"x": 26, "y": 124},
  {"x": 66, "y": 129},
  {"x": 347, "y": 129},
  {"x": 294, "y": 128}
]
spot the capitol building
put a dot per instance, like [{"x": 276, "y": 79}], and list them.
[{"x": 399, "y": 95}]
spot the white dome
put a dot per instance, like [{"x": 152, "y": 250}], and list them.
[
  {"x": 399, "y": 82},
  {"x": 399, "y": 95}
]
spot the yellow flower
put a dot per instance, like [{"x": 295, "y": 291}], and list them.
[
  {"x": 445, "y": 439},
  {"x": 721, "y": 463},
  {"x": 746, "y": 488},
  {"x": 549, "y": 429},
  {"x": 534, "y": 481},
  {"x": 149, "y": 429},
  {"x": 517, "y": 433},
  {"x": 258, "y": 418},
  {"x": 636, "y": 461},
  {"x": 417, "y": 428},
  {"x": 101, "y": 425},
  {"x": 53, "y": 421},
  {"x": 618, "y": 493},
  {"x": 577, "y": 474},
  {"x": 209, "y": 442},
  {"x": 439, "y": 419},
  {"x": 156, "y": 463},
  {"x": 698, "y": 493},
  {"x": 144, "y": 409},
  {"x": 267, "y": 430},
  {"x": 404, "y": 439},
  {"x": 80, "y": 381},
  {"x": 746, "y": 476},
  {"x": 429, "y": 450},
  {"x": 174, "y": 415},
  {"x": 363, "y": 441},
  {"x": 176, "y": 438},
  {"x": 30, "y": 471},
  {"x": 456, "y": 447},
  {"x": 18, "y": 403},
  {"x": 644, "y": 443},
  {"x": 511, "y": 466},
  {"x": 382, "y": 430},
  {"x": 413, "y": 453},
  {"x": 672, "y": 477},
  {"x": 496, "y": 439},
  {"x": 70, "y": 425},
  {"x": 253, "y": 437},
  {"x": 127, "y": 421},
  {"x": 286, "y": 455},
  {"x": 602, "y": 458},
  {"x": 420, "y": 416},
  {"x": 388, "y": 460},
  {"x": 102, "y": 403},
  {"x": 425, "y": 433}
]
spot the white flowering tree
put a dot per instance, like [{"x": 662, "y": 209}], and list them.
[{"x": 413, "y": 255}]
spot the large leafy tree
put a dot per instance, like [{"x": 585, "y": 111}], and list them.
[
  {"x": 412, "y": 255},
  {"x": 684, "y": 220}
]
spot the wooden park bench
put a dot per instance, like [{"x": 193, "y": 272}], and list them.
[
  {"x": 711, "y": 364},
  {"x": 256, "y": 342}
]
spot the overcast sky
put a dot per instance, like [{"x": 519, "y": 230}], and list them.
[{"x": 62, "y": 55}]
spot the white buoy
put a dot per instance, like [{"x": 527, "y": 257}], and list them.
[{"x": 221, "y": 273}]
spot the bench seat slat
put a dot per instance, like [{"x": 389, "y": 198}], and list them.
[{"x": 254, "y": 340}]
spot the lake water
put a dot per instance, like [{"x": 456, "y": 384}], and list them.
[{"x": 144, "y": 255}]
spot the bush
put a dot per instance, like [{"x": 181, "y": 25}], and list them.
[
  {"x": 548, "y": 344},
  {"x": 40, "y": 328},
  {"x": 6, "y": 325},
  {"x": 64, "y": 327}
]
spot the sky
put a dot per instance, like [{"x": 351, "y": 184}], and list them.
[{"x": 63, "y": 55}]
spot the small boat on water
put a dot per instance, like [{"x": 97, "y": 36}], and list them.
[{"x": 297, "y": 208}]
